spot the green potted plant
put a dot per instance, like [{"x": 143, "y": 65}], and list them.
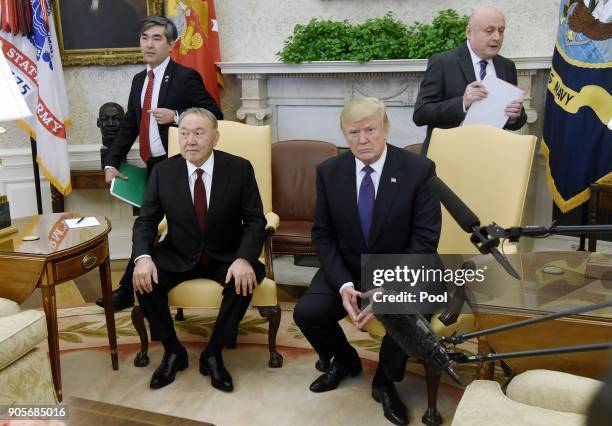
[{"x": 378, "y": 38}]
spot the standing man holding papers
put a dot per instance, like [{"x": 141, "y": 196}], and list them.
[
  {"x": 453, "y": 79},
  {"x": 158, "y": 96}
]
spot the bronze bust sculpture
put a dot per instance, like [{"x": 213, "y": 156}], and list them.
[{"x": 109, "y": 117}]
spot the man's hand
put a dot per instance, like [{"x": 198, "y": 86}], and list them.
[
  {"x": 513, "y": 109},
  {"x": 145, "y": 272},
  {"x": 244, "y": 276},
  {"x": 364, "y": 316},
  {"x": 349, "y": 301},
  {"x": 474, "y": 92},
  {"x": 162, "y": 115},
  {"x": 111, "y": 172}
]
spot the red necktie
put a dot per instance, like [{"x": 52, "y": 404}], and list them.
[
  {"x": 199, "y": 199},
  {"x": 199, "y": 202},
  {"x": 145, "y": 117}
]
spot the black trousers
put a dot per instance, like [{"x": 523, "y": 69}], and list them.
[
  {"x": 317, "y": 316},
  {"x": 233, "y": 306}
]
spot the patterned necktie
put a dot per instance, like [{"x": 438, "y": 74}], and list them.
[
  {"x": 366, "y": 203},
  {"x": 483, "y": 69},
  {"x": 145, "y": 117},
  {"x": 199, "y": 200}
]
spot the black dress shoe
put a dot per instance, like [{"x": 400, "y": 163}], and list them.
[
  {"x": 219, "y": 377},
  {"x": 335, "y": 374},
  {"x": 122, "y": 299},
  {"x": 171, "y": 364},
  {"x": 393, "y": 407}
]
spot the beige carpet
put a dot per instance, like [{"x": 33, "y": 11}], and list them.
[{"x": 262, "y": 396}]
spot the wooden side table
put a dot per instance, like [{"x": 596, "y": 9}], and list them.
[
  {"x": 58, "y": 255},
  {"x": 601, "y": 200},
  {"x": 79, "y": 179}
]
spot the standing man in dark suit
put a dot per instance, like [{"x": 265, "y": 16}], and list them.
[
  {"x": 373, "y": 199},
  {"x": 158, "y": 96},
  {"x": 216, "y": 230},
  {"x": 452, "y": 81}
]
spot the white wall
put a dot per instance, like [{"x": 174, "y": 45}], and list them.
[{"x": 254, "y": 30}]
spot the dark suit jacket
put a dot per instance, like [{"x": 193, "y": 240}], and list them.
[
  {"x": 406, "y": 216},
  {"x": 235, "y": 224},
  {"x": 181, "y": 88},
  {"x": 440, "y": 99}
]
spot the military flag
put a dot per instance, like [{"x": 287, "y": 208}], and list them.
[{"x": 577, "y": 139}]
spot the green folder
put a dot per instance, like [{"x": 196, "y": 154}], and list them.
[{"x": 131, "y": 190}]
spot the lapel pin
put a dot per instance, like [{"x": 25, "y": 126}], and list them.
[
  {"x": 393, "y": 180},
  {"x": 166, "y": 78}
]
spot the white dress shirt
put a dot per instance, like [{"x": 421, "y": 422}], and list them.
[
  {"x": 157, "y": 148},
  {"x": 375, "y": 175},
  {"x": 192, "y": 175},
  {"x": 476, "y": 64}
]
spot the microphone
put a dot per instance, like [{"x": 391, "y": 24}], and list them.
[
  {"x": 466, "y": 218},
  {"x": 413, "y": 334},
  {"x": 469, "y": 222}
]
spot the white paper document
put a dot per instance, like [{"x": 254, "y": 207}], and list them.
[
  {"x": 490, "y": 110},
  {"x": 82, "y": 222}
]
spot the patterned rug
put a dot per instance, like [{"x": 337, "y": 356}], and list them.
[{"x": 85, "y": 327}]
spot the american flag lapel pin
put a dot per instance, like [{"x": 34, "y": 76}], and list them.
[{"x": 393, "y": 180}]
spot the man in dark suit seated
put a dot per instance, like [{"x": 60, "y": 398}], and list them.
[
  {"x": 372, "y": 199},
  {"x": 452, "y": 81},
  {"x": 158, "y": 96},
  {"x": 216, "y": 230}
]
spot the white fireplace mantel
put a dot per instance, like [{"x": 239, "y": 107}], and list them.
[
  {"x": 302, "y": 101},
  {"x": 353, "y": 67}
]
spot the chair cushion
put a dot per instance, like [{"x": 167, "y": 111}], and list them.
[
  {"x": 293, "y": 236},
  {"x": 8, "y": 307},
  {"x": 19, "y": 333},
  {"x": 554, "y": 390},
  {"x": 465, "y": 324},
  {"x": 484, "y": 403},
  {"x": 204, "y": 293}
]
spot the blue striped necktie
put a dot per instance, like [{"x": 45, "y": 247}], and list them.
[
  {"x": 366, "y": 202},
  {"x": 483, "y": 69}
]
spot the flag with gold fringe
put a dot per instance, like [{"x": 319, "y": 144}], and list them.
[
  {"x": 198, "y": 44},
  {"x": 577, "y": 138},
  {"x": 30, "y": 46}
]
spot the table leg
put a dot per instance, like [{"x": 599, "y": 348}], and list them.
[
  {"x": 105, "y": 280},
  {"x": 487, "y": 369},
  {"x": 48, "y": 294}
]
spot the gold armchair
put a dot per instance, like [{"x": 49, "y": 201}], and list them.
[
  {"x": 488, "y": 168},
  {"x": 255, "y": 144}
]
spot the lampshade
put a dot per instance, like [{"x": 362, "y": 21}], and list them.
[{"x": 13, "y": 105}]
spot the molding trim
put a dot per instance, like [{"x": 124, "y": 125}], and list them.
[{"x": 401, "y": 66}]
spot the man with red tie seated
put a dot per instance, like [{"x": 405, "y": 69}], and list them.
[
  {"x": 216, "y": 230},
  {"x": 158, "y": 96}
]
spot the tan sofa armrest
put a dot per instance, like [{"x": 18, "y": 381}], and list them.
[{"x": 553, "y": 390}]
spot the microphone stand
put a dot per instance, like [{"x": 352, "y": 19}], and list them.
[
  {"x": 463, "y": 358},
  {"x": 486, "y": 238},
  {"x": 458, "y": 339}
]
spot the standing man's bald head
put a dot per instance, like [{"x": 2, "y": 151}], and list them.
[{"x": 485, "y": 31}]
